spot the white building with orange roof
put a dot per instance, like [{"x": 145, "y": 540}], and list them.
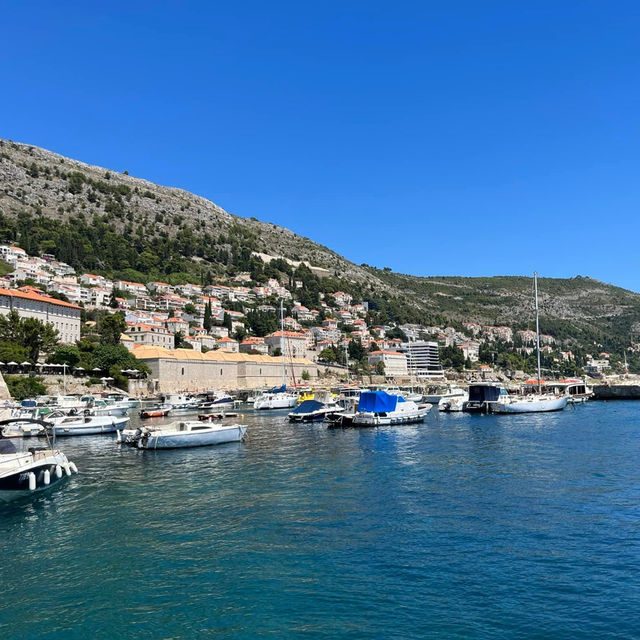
[
  {"x": 395, "y": 363},
  {"x": 159, "y": 287},
  {"x": 134, "y": 288},
  {"x": 292, "y": 343},
  {"x": 228, "y": 344},
  {"x": 254, "y": 344},
  {"x": 177, "y": 324},
  {"x": 91, "y": 280},
  {"x": 62, "y": 316},
  {"x": 150, "y": 334}
]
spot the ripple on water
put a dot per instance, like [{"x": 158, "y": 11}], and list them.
[{"x": 468, "y": 526}]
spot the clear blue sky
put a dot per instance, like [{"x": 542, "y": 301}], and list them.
[{"x": 461, "y": 138}]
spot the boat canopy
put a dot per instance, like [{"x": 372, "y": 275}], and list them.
[
  {"x": 308, "y": 406},
  {"x": 378, "y": 401},
  {"x": 281, "y": 389},
  {"x": 484, "y": 392},
  {"x": 6, "y": 446}
]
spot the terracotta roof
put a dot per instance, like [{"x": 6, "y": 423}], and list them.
[
  {"x": 14, "y": 293},
  {"x": 287, "y": 334},
  {"x": 147, "y": 352}
]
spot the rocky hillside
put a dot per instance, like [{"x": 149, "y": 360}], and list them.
[{"x": 102, "y": 221}]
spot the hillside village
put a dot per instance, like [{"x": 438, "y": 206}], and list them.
[{"x": 238, "y": 315}]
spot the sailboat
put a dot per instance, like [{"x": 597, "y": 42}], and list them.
[
  {"x": 536, "y": 402},
  {"x": 278, "y": 397}
]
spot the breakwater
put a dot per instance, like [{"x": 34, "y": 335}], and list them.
[{"x": 616, "y": 392}]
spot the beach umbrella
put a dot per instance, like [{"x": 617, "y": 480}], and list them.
[
  {"x": 12, "y": 363},
  {"x": 79, "y": 368},
  {"x": 26, "y": 363},
  {"x": 1, "y": 364},
  {"x": 39, "y": 364},
  {"x": 96, "y": 369},
  {"x": 109, "y": 378}
]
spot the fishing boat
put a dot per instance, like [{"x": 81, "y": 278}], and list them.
[
  {"x": 155, "y": 412},
  {"x": 63, "y": 425},
  {"x": 182, "y": 434},
  {"x": 343, "y": 413},
  {"x": 23, "y": 473},
  {"x": 378, "y": 408}
]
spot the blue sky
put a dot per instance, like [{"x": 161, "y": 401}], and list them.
[{"x": 436, "y": 138}]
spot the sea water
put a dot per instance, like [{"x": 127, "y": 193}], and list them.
[{"x": 521, "y": 526}]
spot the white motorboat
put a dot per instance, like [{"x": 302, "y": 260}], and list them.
[
  {"x": 278, "y": 398},
  {"x": 378, "y": 408},
  {"x": 26, "y": 472},
  {"x": 85, "y": 425},
  {"x": 453, "y": 403},
  {"x": 312, "y": 411},
  {"x": 182, "y": 434}
]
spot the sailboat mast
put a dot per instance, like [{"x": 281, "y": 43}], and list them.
[
  {"x": 282, "y": 343},
  {"x": 535, "y": 288}
]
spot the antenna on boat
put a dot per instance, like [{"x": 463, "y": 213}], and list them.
[{"x": 535, "y": 288}]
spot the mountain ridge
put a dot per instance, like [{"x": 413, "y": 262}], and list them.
[{"x": 80, "y": 212}]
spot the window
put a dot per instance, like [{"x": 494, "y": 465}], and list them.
[{"x": 182, "y": 370}]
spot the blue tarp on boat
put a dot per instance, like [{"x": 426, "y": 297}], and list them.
[
  {"x": 378, "y": 401},
  {"x": 308, "y": 406},
  {"x": 281, "y": 389}
]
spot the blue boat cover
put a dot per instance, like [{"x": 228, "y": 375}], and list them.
[
  {"x": 308, "y": 406},
  {"x": 378, "y": 401},
  {"x": 28, "y": 403},
  {"x": 281, "y": 389}
]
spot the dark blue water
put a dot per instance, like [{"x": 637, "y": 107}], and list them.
[{"x": 467, "y": 526}]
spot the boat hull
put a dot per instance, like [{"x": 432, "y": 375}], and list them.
[
  {"x": 90, "y": 429},
  {"x": 179, "y": 440},
  {"x": 530, "y": 406}
]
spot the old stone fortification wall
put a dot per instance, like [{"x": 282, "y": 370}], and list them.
[{"x": 173, "y": 375}]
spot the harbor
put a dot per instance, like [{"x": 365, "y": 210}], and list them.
[{"x": 466, "y": 525}]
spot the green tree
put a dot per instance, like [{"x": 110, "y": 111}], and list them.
[
  {"x": 357, "y": 350},
  {"x": 106, "y": 356},
  {"x": 21, "y": 387},
  {"x": 65, "y": 354},
  {"x": 12, "y": 352},
  {"x": 111, "y": 327},
  {"x": 380, "y": 368},
  {"x": 305, "y": 375},
  {"x": 190, "y": 309},
  {"x": 113, "y": 303},
  {"x": 38, "y": 336},
  {"x": 206, "y": 323}
]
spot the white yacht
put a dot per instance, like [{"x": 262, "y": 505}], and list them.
[{"x": 278, "y": 398}]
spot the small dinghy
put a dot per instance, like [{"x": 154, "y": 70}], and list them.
[
  {"x": 204, "y": 417},
  {"x": 155, "y": 412},
  {"x": 182, "y": 434}
]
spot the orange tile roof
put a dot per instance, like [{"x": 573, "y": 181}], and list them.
[{"x": 37, "y": 298}]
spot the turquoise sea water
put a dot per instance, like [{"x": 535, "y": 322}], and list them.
[{"x": 464, "y": 527}]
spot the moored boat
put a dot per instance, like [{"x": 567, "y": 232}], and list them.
[
  {"x": 85, "y": 425},
  {"x": 378, "y": 408},
  {"x": 182, "y": 434},
  {"x": 26, "y": 472},
  {"x": 154, "y": 412}
]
